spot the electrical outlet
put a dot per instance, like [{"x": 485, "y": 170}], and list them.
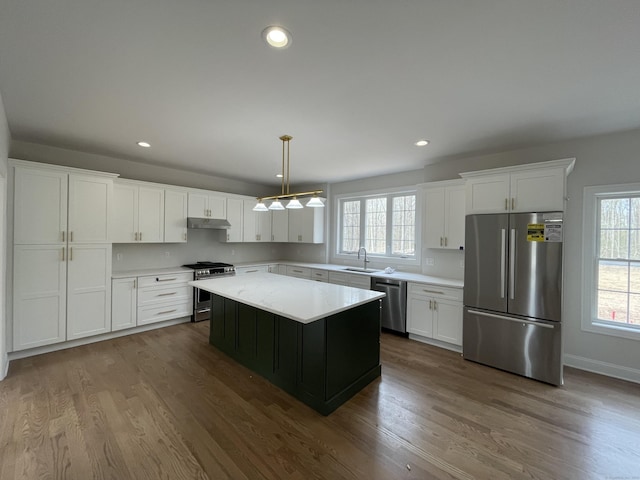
[
  {"x": 118, "y": 257},
  {"x": 430, "y": 262}
]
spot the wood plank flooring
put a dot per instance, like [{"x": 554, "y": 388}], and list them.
[{"x": 166, "y": 405}]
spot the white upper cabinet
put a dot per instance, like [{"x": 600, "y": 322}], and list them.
[
  {"x": 256, "y": 225},
  {"x": 535, "y": 187},
  {"x": 40, "y": 206},
  {"x": 138, "y": 212},
  {"x": 279, "y": 226},
  {"x": 444, "y": 204},
  {"x": 306, "y": 225},
  {"x": 89, "y": 209},
  {"x": 175, "y": 216},
  {"x": 203, "y": 204},
  {"x": 235, "y": 210}
]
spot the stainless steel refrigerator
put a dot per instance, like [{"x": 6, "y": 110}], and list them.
[{"x": 513, "y": 293}]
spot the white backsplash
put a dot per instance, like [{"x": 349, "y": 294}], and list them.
[{"x": 443, "y": 263}]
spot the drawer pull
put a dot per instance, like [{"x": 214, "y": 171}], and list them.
[
  {"x": 297, "y": 271},
  {"x": 165, "y": 279},
  {"x": 433, "y": 291},
  {"x": 251, "y": 271},
  {"x": 167, "y": 311},
  {"x": 166, "y": 294}
]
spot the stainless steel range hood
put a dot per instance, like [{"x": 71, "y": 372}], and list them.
[{"x": 215, "y": 223}]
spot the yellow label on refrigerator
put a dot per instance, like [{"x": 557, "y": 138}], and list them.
[{"x": 535, "y": 232}]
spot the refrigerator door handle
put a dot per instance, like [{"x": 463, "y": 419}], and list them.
[
  {"x": 512, "y": 264},
  {"x": 503, "y": 259},
  {"x": 511, "y": 319}
]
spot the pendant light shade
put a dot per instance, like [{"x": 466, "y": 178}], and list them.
[
  {"x": 260, "y": 207},
  {"x": 285, "y": 194},
  {"x": 294, "y": 203},
  {"x": 276, "y": 205},
  {"x": 315, "y": 202}
]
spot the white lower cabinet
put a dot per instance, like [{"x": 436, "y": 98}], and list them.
[
  {"x": 319, "y": 275},
  {"x": 299, "y": 272},
  {"x": 164, "y": 297},
  {"x": 252, "y": 269},
  {"x": 350, "y": 280},
  {"x": 435, "y": 312},
  {"x": 124, "y": 303}
]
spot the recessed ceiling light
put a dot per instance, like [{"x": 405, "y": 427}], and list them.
[
  {"x": 421, "y": 143},
  {"x": 279, "y": 175},
  {"x": 144, "y": 144},
  {"x": 277, "y": 37}
]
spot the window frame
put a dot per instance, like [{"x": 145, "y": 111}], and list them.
[
  {"x": 389, "y": 194},
  {"x": 590, "y": 244}
]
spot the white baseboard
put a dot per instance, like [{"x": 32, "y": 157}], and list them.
[
  {"x": 98, "y": 338},
  {"x": 4, "y": 367},
  {"x": 603, "y": 368},
  {"x": 435, "y": 343}
]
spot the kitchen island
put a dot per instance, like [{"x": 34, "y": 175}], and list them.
[{"x": 317, "y": 341}]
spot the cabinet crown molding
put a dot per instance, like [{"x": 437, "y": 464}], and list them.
[
  {"x": 566, "y": 163},
  {"x": 14, "y": 162}
]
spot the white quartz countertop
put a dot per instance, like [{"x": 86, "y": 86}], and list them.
[
  {"x": 302, "y": 300},
  {"x": 150, "y": 271},
  {"x": 409, "y": 277}
]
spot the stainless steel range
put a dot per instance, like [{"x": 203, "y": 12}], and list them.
[{"x": 201, "y": 298}]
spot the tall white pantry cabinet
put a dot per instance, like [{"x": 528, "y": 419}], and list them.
[{"x": 61, "y": 254}]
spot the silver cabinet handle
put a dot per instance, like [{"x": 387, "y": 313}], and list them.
[
  {"x": 140, "y": 236},
  {"x": 71, "y": 236},
  {"x": 166, "y": 311},
  {"x": 440, "y": 241},
  {"x": 135, "y": 236},
  {"x": 251, "y": 271},
  {"x": 430, "y": 304},
  {"x": 297, "y": 271},
  {"x": 63, "y": 254},
  {"x": 135, "y": 283},
  {"x": 63, "y": 236},
  {"x": 158, "y": 279},
  {"x": 435, "y": 305},
  {"x": 70, "y": 253},
  {"x": 445, "y": 241},
  {"x": 506, "y": 204},
  {"x": 166, "y": 294},
  {"x": 433, "y": 291}
]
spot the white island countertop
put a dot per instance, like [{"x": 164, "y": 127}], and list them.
[{"x": 302, "y": 300}]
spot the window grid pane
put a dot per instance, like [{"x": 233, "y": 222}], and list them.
[
  {"x": 376, "y": 225},
  {"x": 618, "y": 271},
  {"x": 350, "y": 226},
  {"x": 403, "y": 236}
]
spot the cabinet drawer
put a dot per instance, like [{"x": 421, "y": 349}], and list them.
[
  {"x": 434, "y": 291},
  {"x": 360, "y": 281},
  {"x": 153, "y": 313},
  {"x": 164, "y": 279},
  {"x": 319, "y": 275},
  {"x": 164, "y": 294},
  {"x": 300, "y": 272},
  {"x": 338, "y": 278},
  {"x": 252, "y": 269}
]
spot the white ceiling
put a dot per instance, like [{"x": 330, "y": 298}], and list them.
[{"x": 361, "y": 82}]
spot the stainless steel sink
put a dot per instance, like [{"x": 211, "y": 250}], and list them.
[{"x": 361, "y": 270}]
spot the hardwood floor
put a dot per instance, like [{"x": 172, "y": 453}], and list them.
[{"x": 166, "y": 405}]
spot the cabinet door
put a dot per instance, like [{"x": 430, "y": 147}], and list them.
[
  {"x": 454, "y": 217},
  {"x": 263, "y": 225},
  {"x": 125, "y": 213},
  {"x": 234, "y": 216},
  {"x": 487, "y": 194},
  {"x": 175, "y": 216},
  {"x": 419, "y": 316},
  {"x": 150, "y": 215},
  {"x": 447, "y": 321},
  {"x": 89, "y": 209},
  {"x": 40, "y": 206},
  {"x": 538, "y": 190},
  {"x": 123, "y": 303},
  {"x": 280, "y": 226},
  {"x": 217, "y": 206},
  {"x": 249, "y": 221},
  {"x": 198, "y": 204},
  {"x": 434, "y": 217},
  {"x": 305, "y": 225},
  {"x": 39, "y": 295},
  {"x": 89, "y": 290}
]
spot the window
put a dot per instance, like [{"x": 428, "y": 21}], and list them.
[
  {"x": 612, "y": 260},
  {"x": 385, "y": 224}
]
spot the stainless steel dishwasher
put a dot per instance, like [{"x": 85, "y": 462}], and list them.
[{"x": 394, "y": 305}]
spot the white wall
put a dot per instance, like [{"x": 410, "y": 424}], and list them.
[
  {"x": 600, "y": 160},
  {"x": 4, "y": 152}
]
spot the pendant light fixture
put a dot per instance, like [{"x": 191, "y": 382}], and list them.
[{"x": 294, "y": 203}]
